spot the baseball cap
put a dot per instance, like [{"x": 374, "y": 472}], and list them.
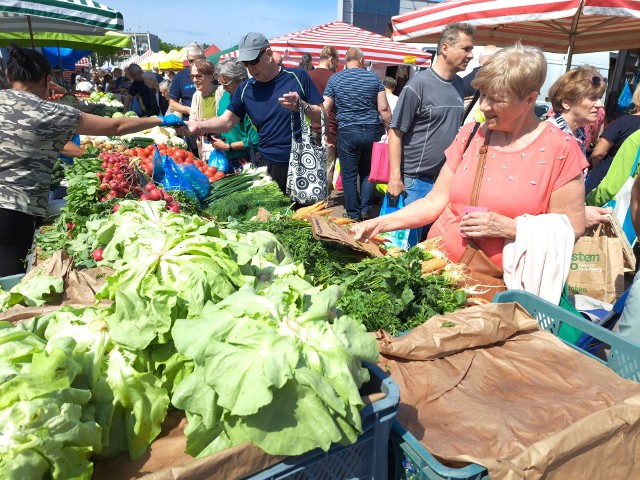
[{"x": 250, "y": 46}]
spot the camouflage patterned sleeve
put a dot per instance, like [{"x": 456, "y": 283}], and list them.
[{"x": 32, "y": 134}]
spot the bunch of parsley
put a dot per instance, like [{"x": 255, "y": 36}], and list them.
[{"x": 390, "y": 292}]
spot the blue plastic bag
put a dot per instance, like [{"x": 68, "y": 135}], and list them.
[
  {"x": 403, "y": 239},
  {"x": 219, "y": 160},
  {"x": 625, "y": 100},
  {"x": 175, "y": 179},
  {"x": 199, "y": 181},
  {"x": 186, "y": 178},
  {"x": 158, "y": 171}
]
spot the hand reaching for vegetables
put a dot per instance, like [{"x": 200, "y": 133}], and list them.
[
  {"x": 363, "y": 231},
  {"x": 488, "y": 224}
]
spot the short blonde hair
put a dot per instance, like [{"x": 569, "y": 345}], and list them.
[
  {"x": 329, "y": 52},
  {"x": 514, "y": 72},
  {"x": 204, "y": 67},
  {"x": 636, "y": 96},
  {"x": 576, "y": 85}
]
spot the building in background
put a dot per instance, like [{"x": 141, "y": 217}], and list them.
[
  {"x": 375, "y": 15},
  {"x": 141, "y": 42}
]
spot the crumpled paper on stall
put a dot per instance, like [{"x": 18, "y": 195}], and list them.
[
  {"x": 166, "y": 460},
  {"x": 493, "y": 390},
  {"x": 80, "y": 286}
]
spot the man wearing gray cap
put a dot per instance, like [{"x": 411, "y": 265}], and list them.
[{"x": 262, "y": 98}]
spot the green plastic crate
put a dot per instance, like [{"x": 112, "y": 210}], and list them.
[
  {"x": 410, "y": 460},
  {"x": 7, "y": 283}
]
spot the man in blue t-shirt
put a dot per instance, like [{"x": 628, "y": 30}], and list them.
[
  {"x": 182, "y": 88},
  {"x": 361, "y": 110},
  {"x": 268, "y": 99}
]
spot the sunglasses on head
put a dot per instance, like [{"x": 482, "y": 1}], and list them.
[
  {"x": 596, "y": 80},
  {"x": 255, "y": 60}
]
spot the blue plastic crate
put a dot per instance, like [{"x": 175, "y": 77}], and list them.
[
  {"x": 412, "y": 461},
  {"x": 365, "y": 459},
  {"x": 7, "y": 283}
]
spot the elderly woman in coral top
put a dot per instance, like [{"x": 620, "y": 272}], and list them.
[{"x": 532, "y": 167}]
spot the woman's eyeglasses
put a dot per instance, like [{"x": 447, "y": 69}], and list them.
[
  {"x": 596, "y": 80},
  {"x": 225, "y": 84},
  {"x": 255, "y": 60},
  {"x": 197, "y": 76}
]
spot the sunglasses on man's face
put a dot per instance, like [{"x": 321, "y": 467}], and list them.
[{"x": 255, "y": 60}]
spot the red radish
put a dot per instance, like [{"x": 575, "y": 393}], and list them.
[
  {"x": 97, "y": 254},
  {"x": 155, "y": 195}
]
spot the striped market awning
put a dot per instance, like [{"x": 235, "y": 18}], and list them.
[
  {"x": 59, "y": 16},
  {"x": 559, "y": 26},
  {"x": 377, "y": 48},
  {"x": 138, "y": 59},
  {"x": 83, "y": 62}
]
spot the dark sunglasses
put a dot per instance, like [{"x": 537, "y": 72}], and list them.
[
  {"x": 255, "y": 60},
  {"x": 596, "y": 80},
  {"x": 191, "y": 60}
]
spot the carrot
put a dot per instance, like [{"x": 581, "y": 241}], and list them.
[
  {"x": 433, "y": 265},
  {"x": 341, "y": 221},
  {"x": 326, "y": 211},
  {"x": 378, "y": 240},
  {"x": 306, "y": 211}
]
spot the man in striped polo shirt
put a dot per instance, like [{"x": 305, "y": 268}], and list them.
[{"x": 361, "y": 111}]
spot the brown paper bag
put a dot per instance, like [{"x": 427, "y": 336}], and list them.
[{"x": 597, "y": 267}]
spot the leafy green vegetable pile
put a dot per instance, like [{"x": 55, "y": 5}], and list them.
[
  {"x": 44, "y": 429},
  {"x": 390, "y": 292},
  {"x": 321, "y": 260},
  {"x": 244, "y": 204},
  {"x": 33, "y": 292},
  {"x": 219, "y": 323}
]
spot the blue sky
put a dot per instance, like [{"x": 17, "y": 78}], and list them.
[{"x": 222, "y": 22}]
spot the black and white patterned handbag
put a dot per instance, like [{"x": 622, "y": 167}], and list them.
[{"x": 307, "y": 174}]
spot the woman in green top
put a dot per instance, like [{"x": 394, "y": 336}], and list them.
[{"x": 242, "y": 140}]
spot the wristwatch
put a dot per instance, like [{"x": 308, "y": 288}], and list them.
[
  {"x": 306, "y": 108},
  {"x": 230, "y": 146}
]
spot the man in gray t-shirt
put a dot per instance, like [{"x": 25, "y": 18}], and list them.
[{"x": 428, "y": 115}]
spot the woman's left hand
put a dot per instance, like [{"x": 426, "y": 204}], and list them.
[
  {"x": 488, "y": 224},
  {"x": 220, "y": 144}
]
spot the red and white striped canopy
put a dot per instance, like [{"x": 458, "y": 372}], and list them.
[
  {"x": 342, "y": 36},
  {"x": 139, "y": 59},
  {"x": 83, "y": 62},
  {"x": 577, "y": 26}
]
